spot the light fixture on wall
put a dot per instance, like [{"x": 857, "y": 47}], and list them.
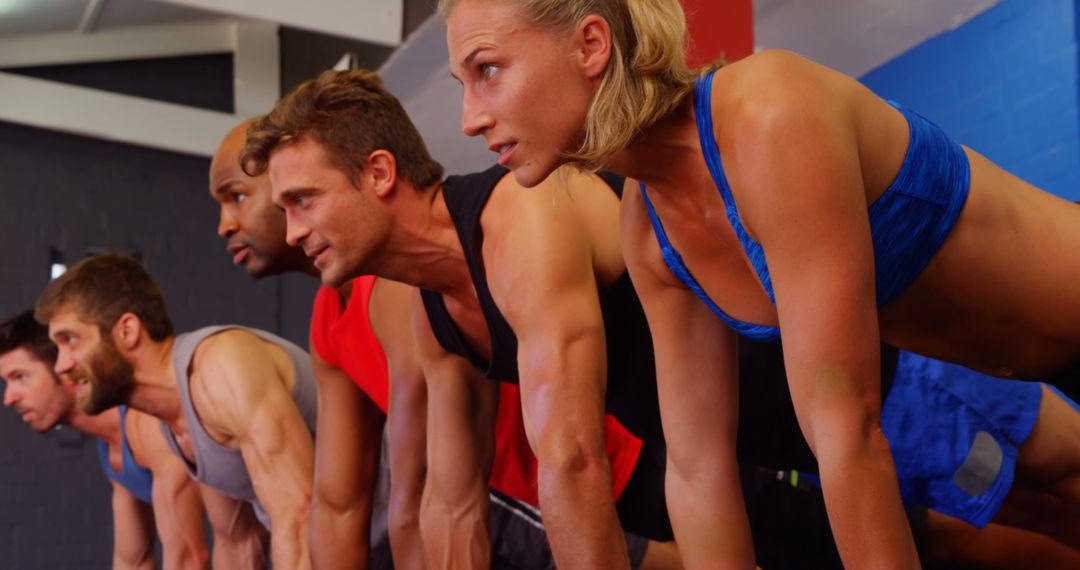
[
  {"x": 58, "y": 264},
  {"x": 349, "y": 61},
  {"x": 57, "y": 267}
]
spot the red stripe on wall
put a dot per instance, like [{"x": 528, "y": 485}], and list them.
[{"x": 719, "y": 27}]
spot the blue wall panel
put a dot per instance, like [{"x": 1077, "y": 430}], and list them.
[{"x": 1004, "y": 84}]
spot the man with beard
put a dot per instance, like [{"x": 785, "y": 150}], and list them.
[
  {"x": 151, "y": 490},
  {"x": 351, "y": 326},
  {"x": 236, "y": 404}
]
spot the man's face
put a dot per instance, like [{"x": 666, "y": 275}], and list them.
[
  {"x": 341, "y": 227},
  {"x": 33, "y": 390},
  {"x": 102, "y": 376},
  {"x": 253, "y": 227}
]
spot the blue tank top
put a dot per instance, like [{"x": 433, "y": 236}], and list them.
[
  {"x": 908, "y": 222},
  {"x": 137, "y": 480}
]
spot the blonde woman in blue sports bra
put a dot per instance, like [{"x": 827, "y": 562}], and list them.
[{"x": 773, "y": 195}]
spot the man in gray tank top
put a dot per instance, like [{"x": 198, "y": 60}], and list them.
[{"x": 237, "y": 404}]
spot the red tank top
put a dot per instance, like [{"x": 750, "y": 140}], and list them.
[{"x": 345, "y": 340}]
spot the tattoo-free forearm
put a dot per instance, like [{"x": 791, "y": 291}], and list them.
[
  {"x": 288, "y": 541},
  {"x": 339, "y": 537},
  {"x": 862, "y": 496},
  {"x": 455, "y": 529},
  {"x": 563, "y": 384},
  {"x": 575, "y": 493}
]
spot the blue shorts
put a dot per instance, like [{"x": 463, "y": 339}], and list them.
[{"x": 954, "y": 435}]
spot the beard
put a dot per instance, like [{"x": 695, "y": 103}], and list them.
[{"x": 111, "y": 378}]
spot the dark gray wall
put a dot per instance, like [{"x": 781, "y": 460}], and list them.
[
  {"x": 54, "y": 500},
  {"x": 160, "y": 79},
  {"x": 74, "y": 193}
]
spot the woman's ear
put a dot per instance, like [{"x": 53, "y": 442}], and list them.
[{"x": 593, "y": 36}]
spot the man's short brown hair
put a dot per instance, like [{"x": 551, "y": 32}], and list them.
[
  {"x": 351, "y": 114},
  {"x": 104, "y": 287},
  {"x": 22, "y": 331}
]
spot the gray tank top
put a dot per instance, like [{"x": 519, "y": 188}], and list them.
[{"x": 216, "y": 466}]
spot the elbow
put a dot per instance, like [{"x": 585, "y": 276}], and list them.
[
  {"x": 302, "y": 514},
  {"x": 301, "y": 507},
  {"x": 193, "y": 556},
  {"x": 292, "y": 515},
  {"x": 323, "y": 509},
  {"x": 712, "y": 464},
  {"x": 403, "y": 527},
  {"x": 850, "y": 434},
  {"x": 570, "y": 463},
  {"x": 403, "y": 514},
  {"x": 402, "y": 523}
]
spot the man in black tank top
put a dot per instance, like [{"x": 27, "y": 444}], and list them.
[
  {"x": 238, "y": 405},
  {"x": 348, "y": 449},
  {"x": 554, "y": 314}
]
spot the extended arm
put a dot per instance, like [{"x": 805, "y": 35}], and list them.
[
  {"x": 546, "y": 287},
  {"x": 799, "y": 187},
  {"x": 696, "y": 372},
  {"x": 391, "y": 304},
  {"x": 249, "y": 405},
  {"x": 239, "y": 538},
  {"x": 133, "y": 531},
  {"x": 348, "y": 441},
  {"x": 461, "y": 415},
  {"x": 178, "y": 506}
]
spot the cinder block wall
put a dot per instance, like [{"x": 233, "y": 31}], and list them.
[{"x": 1004, "y": 84}]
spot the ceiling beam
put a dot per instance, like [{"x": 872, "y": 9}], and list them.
[
  {"x": 256, "y": 68},
  {"x": 374, "y": 21},
  {"x": 143, "y": 42},
  {"x": 111, "y": 116}
]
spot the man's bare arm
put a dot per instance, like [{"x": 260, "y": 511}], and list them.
[
  {"x": 461, "y": 417},
  {"x": 543, "y": 278},
  {"x": 178, "y": 507},
  {"x": 240, "y": 391},
  {"x": 391, "y": 304},
  {"x": 133, "y": 531},
  {"x": 239, "y": 538},
  {"x": 348, "y": 441}
]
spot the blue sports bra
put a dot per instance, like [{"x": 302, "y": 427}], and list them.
[{"x": 908, "y": 222}]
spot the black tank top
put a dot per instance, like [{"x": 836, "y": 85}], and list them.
[{"x": 631, "y": 384}]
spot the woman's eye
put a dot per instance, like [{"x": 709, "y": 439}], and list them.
[
  {"x": 238, "y": 197},
  {"x": 488, "y": 70}
]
